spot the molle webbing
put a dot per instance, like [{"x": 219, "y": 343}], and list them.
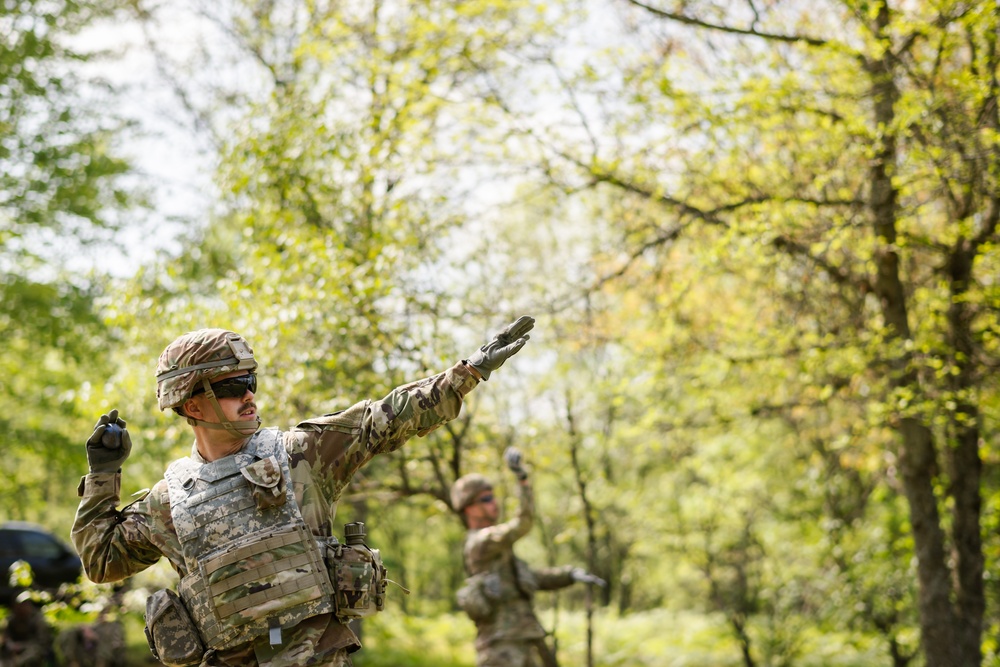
[
  {"x": 232, "y": 603},
  {"x": 309, "y": 561},
  {"x": 266, "y": 544}
]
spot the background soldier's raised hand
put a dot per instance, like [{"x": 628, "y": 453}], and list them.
[
  {"x": 582, "y": 576},
  {"x": 109, "y": 445},
  {"x": 512, "y": 456},
  {"x": 504, "y": 345}
]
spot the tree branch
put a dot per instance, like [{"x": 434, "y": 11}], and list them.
[{"x": 748, "y": 32}]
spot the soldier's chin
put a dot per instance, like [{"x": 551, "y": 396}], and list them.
[{"x": 248, "y": 429}]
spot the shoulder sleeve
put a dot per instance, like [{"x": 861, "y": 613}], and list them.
[
  {"x": 416, "y": 409},
  {"x": 335, "y": 446},
  {"x": 554, "y": 578}
]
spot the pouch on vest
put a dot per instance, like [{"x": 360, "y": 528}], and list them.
[
  {"x": 479, "y": 595},
  {"x": 357, "y": 574},
  {"x": 266, "y": 482},
  {"x": 170, "y": 632}
]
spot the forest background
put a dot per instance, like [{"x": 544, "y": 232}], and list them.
[{"x": 759, "y": 237}]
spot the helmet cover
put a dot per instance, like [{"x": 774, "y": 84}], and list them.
[
  {"x": 466, "y": 488},
  {"x": 205, "y": 353}
]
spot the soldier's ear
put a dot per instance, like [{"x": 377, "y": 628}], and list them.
[{"x": 192, "y": 408}]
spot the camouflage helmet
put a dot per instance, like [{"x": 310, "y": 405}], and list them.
[
  {"x": 466, "y": 488},
  {"x": 206, "y": 353}
]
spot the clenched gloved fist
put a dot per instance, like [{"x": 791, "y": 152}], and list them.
[
  {"x": 584, "y": 577},
  {"x": 504, "y": 345},
  {"x": 512, "y": 456},
  {"x": 109, "y": 445}
]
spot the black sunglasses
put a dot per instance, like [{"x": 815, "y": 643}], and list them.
[
  {"x": 232, "y": 387},
  {"x": 488, "y": 498}
]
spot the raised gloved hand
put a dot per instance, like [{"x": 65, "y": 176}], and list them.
[
  {"x": 504, "y": 345},
  {"x": 512, "y": 456},
  {"x": 584, "y": 577},
  {"x": 109, "y": 445}
]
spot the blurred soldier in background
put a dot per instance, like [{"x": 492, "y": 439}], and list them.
[
  {"x": 246, "y": 519},
  {"x": 27, "y": 638},
  {"x": 498, "y": 593},
  {"x": 98, "y": 644}
]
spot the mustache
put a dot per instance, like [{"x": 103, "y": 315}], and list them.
[{"x": 250, "y": 407}]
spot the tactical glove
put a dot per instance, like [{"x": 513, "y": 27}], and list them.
[
  {"x": 109, "y": 445},
  {"x": 584, "y": 577},
  {"x": 512, "y": 455},
  {"x": 504, "y": 345}
]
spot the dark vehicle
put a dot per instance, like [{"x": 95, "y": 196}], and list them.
[{"x": 52, "y": 560}]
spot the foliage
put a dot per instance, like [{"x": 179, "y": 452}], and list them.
[
  {"x": 636, "y": 640},
  {"x": 57, "y": 166},
  {"x": 760, "y": 242},
  {"x": 792, "y": 185},
  {"x": 61, "y": 190}
]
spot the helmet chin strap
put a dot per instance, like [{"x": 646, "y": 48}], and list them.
[{"x": 241, "y": 429}]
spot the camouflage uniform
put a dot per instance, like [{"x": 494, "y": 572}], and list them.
[
  {"x": 512, "y": 635},
  {"x": 27, "y": 639},
  {"x": 323, "y": 455}
]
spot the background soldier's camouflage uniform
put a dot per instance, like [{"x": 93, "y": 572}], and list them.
[
  {"x": 99, "y": 645},
  {"x": 509, "y": 638},
  {"x": 323, "y": 455}
]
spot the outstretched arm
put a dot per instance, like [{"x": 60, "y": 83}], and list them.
[
  {"x": 554, "y": 578},
  {"x": 338, "y": 445}
]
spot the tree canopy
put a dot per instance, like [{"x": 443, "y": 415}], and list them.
[{"x": 760, "y": 240}]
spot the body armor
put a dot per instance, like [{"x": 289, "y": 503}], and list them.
[
  {"x": 253, "y": 565},
  {"x": 505, "y": 579}
]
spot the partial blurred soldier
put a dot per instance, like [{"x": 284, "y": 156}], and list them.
[
  {"x": 247, "y": 519},
  {"x": 500, "y": 587},
  {"x": 98, "y": 644},
  {"x": 27, "y": 638}
]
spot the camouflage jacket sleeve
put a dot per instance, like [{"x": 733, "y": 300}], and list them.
[
  {"x": 113, "y": 544},
  {"x": 553, "y": 578},
  {"x": 334, "y": 446},
  {"x": 486, "y": 545}
]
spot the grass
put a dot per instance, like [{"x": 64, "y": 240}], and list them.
[{"x": 658, "y": 638}]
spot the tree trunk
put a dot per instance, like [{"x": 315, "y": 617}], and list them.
[
  {"x": 588, "y": 516},
  {"x": 918, "y": 457},
  {"x": 966, "y": 466}
]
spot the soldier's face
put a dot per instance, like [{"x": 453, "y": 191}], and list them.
[
  {"x": 238, "y": 408},
  {"x": 485, "y": 506}
]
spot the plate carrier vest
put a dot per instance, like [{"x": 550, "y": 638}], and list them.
[
  {"x": 506, "y": 578},
  {"x": 253, "y": 564}
]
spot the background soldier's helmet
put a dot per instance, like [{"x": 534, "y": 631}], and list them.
[
  {"x": 206, "y": 353},
  {"x": 466, "y": 488}
]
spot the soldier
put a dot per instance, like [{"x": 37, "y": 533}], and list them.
[
  {"x": 27, "y": 639},
  {"x": 246, "y": 519},
  {"x": 99, "y": 645},
  {"x": 498, "y": 593}
]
